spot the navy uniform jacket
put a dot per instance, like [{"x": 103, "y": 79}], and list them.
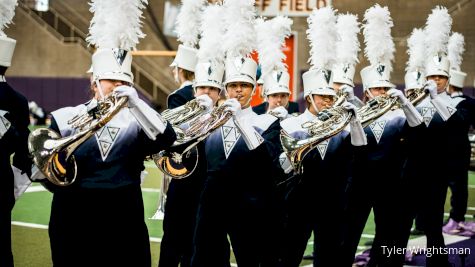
[
  {"x": 435, "y": 140},
  {"x": 330, "y": 162},
  {"x": 460, "y": 149},
  {"x": 180, "y": 96},
  {"x": 262, "y": 108},
  {"x": 114, "y": 155},
  {"x": 230, "y": 159},
  {"x": 387, "y": 147},
  {"x": 13, "y": 133}
]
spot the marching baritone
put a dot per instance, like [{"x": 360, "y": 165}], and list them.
[
  {"x": 239, "y": 196},
  {"x": 379, "y": 189},
  {"x": 326, "y": 168},
  {"x": 14, "y": 121},
  {"x": 427, "y": 178},
  {"x": 103, "y": 209},
  {"x": 183, "y": 194},
  {"x": 460, "y": 145}
]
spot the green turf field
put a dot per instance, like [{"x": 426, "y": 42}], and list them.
[{"x": 31, "y": 216}]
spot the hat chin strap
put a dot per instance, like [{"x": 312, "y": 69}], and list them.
[
  {"x": 371, "y": 96},
  {"x": 99, "y": 88},
  {"x": 313, "y": 104},
  {"x": 175, "y": 76},
  {"x": 446, "y": 89}
]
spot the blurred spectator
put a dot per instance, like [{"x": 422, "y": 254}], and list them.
[{"x": 37, "y": 115}]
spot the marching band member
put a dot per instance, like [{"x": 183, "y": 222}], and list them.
[
  {"x": 109, "y": 163},
  {"x": 239, "y": 195},
  {"x": 460, "y": 148},
  {"x": 271, "y": 36},
  {"x": 414, "y": 80},
  {"x": 325, "y": 169},
  {"x": 183, "y": 194},
  {"x": 187, "y": 29},
  {"x": 428, "y": 185},
  {"x": 378, "y": 189},
  {"x": 14, "y": 121},
  {"x": 347, "y": 48}
]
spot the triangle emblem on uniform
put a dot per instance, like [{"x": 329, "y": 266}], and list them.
[
  {"x": 377, "y": 128},
  {"x": 4, "y": 126},
  {"x": 451, "y": 110},
  {"x": 322, "y": 148},
  {"x": 427, "y": 114},
  {"x": 230, "y": 135},
  {"x": 106, "y": 138}
]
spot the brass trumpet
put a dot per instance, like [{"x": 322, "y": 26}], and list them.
[{"x": 52, "y": 154}]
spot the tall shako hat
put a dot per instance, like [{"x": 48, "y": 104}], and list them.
[
  {"x": 239, "y": 41},
  {"x": 210, "y": 68},
  {"x": 187, "y": 29},
  {"x": 115, "y": 30},
  {"x": 7, "y": 45},
  {"x": 438, "y": 27},
  {"x": 322, "y": 35},
  {"x": 271, "y": 36},
  {"x": 456, "y": 49},
  {"x": 347, "y": 48},
  {"x": 415, "y": 76},
  {"x": 379, "y": 47}
]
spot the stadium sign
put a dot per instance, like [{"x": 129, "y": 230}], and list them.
[{"x": 291, "y": 8}]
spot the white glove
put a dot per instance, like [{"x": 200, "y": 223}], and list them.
[
  {"x": 413, "y": 117},
  {"x": 21, "y": 182},
  {"x": 358, "y": 136},
  {"x": 149, "y": 120},
  {"x": 205, "y": 102},
  {"x": 285, "y": 163},
  {"x": 397, "y": 93},
  {"x": 348, "y": 90},
  {"x": 350, "y": 108},
  {"x": 130, "y": 93},
  {"x": 280, "y": 112},
  {"x": 233, "y": 106},
  {"x": 431, "y": 87},
  {"x": 251, "y": 137}
]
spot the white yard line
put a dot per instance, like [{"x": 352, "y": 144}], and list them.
[
  {"x": 446, "y": 214},
  {"x": 30, "y": 225},
  {"x": 39, "y": 188}
]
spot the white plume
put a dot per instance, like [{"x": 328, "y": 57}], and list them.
[
  {"x": 116, "y": 23},
  {"x": 271, "y": 36},
  {"x": 456, "y": 48},
  {"x": 416, "y": 50},
  {"x": 240, "y": 36},
  {"x": 322, "y": 35},
  {"x": 188, "y": 22},
  {"x": 438, "y": 27},
  {"x": 348, "y": 46},
  {"x": 212, "y": 32},
  {"x": 7, "y": 11},
  {"x": 379, "y": 43}
]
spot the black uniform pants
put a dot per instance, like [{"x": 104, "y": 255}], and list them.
[
  {"x": 246, "y": 215},
  {"x": 380, "y": 193},
  {"x": 458, "y": 184},
  {"x": 179, "y": 222},
  {"x": 99, "y": 227},
  {"x": 309, "y": 209},
  {"x": 7, "y": 201},
  {"x": 426, "y": 195}
]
